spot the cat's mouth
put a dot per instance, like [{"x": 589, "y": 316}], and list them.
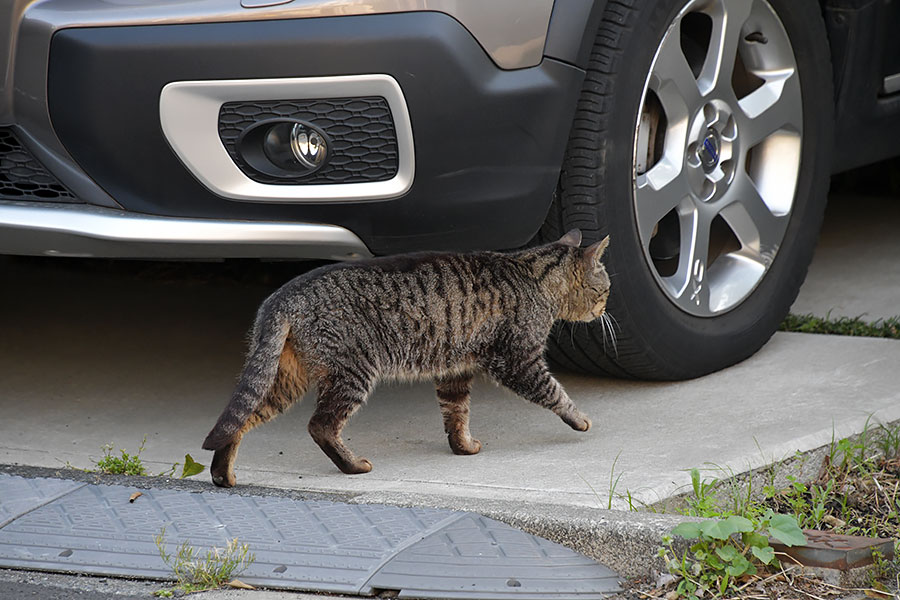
[{"x": 598, "y": 310}]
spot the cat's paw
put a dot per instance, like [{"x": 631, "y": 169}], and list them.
[
  {"x": 462, "y": 448},
  {"x": 578, "y": 421},
  {"x": 360, "y": 465},
  {"x": 226, "y": 480}
]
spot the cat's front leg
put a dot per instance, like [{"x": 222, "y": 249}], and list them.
[
  {"x": 453, "y": 396},
  {"x": 530, "y": 378}
]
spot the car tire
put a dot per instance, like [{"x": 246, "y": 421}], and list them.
[{"x": 742, "y": 162}]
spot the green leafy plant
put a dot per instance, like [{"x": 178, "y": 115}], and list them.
[
  {"x": 189, "y": 469},
  {"x": 726, "y": 550},
  {"x": 704, "y": 502},
  {"x": 131, "y": 464},
  {"x": 196, "y": 571},
  {"x": 124, "y": 464}
]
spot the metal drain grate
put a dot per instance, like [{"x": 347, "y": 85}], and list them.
[
  {"x": 22, "y": 177},
  {"x": 306, "y": 545}
]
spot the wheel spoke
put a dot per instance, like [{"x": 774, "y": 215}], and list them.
[
  {"x": 659, "y": 190},
  {"x": 773, "y": 106},
  {"x": 672, "y": 78},
  {"x": 759, "y": 230},
  {"x": 728, "y": 18},
  {"x": 688, "y": 286}
]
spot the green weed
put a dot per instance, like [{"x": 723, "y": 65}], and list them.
[
  {"x": 704, "y": 502},
  {"x": 196, "y": 572},
  {"x": 131, "y": 464},
  {"x": 126, "y": 464},
  {"x": 613, "y": 482},
  {"x": 726, "y": 550},
  {"x": 884, "y": 328},
  {"x": 189, "y": 469},
  {"x": 856, "y": 492},
  {"x": 613, "y": 485}
]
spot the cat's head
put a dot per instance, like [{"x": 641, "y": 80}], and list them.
[{"x": 586, "y": 283}]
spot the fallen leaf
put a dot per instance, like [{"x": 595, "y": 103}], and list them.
[
  {"x": 833, "y": 521},
  {"x": 191, "y": 467},
  {"x": 664, "y": 580},
  {"x": 872, "y": 593},
  {"x": 237, "y": 583},
  {"x": 135, "y": 496}
]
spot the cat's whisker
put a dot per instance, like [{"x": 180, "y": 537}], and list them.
[
  {"x": 608, "y": 328},
  {"x": 604, "y": 326},
  {"x": 612, "y": 318}
]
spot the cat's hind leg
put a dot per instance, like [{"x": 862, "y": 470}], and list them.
[
  {"x": 290, "y": 384},
  {"x": 531, "y": 379},
  {"x": 453, "y": 395},
  {"x": 336, "y": 404}
]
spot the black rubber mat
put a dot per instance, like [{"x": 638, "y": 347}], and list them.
[{"x": 62, "y": 525}]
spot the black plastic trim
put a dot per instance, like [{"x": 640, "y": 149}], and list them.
[
  {"x": 867, "y": 122},
  {"x": 489, "y": 143},
  {"x": 573, "y": 29}
]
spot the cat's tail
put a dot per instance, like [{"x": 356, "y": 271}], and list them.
[{"x": 260, "y": 369}]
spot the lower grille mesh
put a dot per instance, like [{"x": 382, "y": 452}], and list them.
[
  {"x": 22, "y": 177},
  {"x": 361, "y": 129}
]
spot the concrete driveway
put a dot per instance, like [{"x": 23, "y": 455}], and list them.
[{"x": 89, "y": 358}]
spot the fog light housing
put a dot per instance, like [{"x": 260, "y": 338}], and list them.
[{"x": 284, "y": 147}]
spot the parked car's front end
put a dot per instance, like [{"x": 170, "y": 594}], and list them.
[
  {"x": 441, "y": 128},
  {"x": 699, "y": 135}
]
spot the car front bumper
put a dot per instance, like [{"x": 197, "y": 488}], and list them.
[{"x": 486, "y": 142}]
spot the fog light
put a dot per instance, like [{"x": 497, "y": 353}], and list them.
[
  {"x": 308, "y": 146},
  {"x": 284, "y": 148}
]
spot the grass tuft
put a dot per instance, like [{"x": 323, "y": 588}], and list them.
[
  {"x": 854, "y": 326},
  {"x": 125, "y": 464},
  {"x": 197, "y": 572}
]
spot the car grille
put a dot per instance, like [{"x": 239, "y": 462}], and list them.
[
  {"x": 363, "y": 139},
  {"x": 22, "y": 177}
]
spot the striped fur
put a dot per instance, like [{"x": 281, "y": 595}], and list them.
[{"x": 439, "y": 316}]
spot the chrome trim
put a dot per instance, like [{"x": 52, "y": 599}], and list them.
[
  {"x": 891, "y": 84},
  {"x": 189, "y": 114},
  {"x": 82, "y": 230}
]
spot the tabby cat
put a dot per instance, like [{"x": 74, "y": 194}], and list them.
[{"x": 344, "y": 327}]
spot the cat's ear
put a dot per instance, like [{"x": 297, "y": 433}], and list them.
[
  {"x": 573, "y": 238},
  {"x": 594, "y": 252}
]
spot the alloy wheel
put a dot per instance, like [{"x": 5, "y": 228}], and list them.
[{"x": 717, "y": 153}]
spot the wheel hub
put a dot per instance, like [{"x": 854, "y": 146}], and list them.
[{"x": 710, "y": 151}]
